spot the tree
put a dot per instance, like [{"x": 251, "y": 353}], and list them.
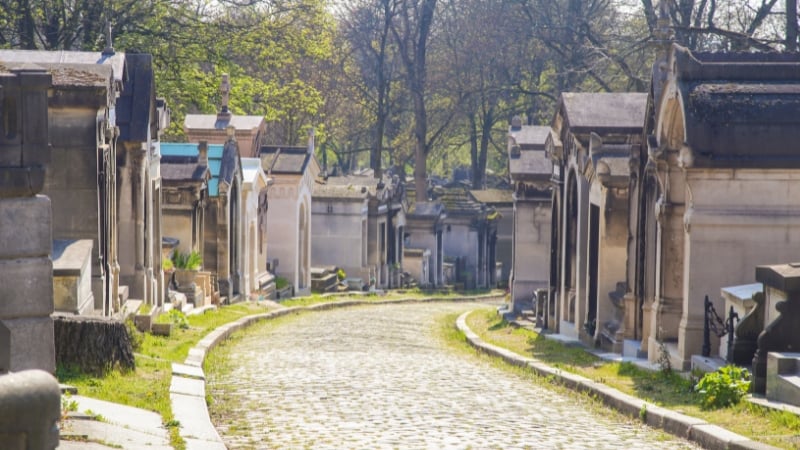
[
  {"x": 367, "y": 28},
  {"x": 791, "y": 26},
  {"x": 485, "y": 57},
  {"x": 411, "y": 31},
  {"x": 733, "y": 25}
]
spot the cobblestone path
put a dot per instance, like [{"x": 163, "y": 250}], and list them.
[{"x": 377, "y": 377}]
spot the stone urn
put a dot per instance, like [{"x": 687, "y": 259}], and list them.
[{"x": 185, "y": 279}]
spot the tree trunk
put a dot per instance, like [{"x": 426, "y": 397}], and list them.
[
  {"x": 488, "y": 122},
  {"x": 420, "y": 146},
  {"x": 473, "y": 152},
  {"x": 26, "y": 26},
  {"x": 92, "y": 345},
  {"x": 791, "y": 25}
]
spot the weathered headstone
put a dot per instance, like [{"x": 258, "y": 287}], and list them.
[{"x": 780, "y": 281}]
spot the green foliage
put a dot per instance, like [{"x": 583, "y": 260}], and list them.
[
  {"x": 68, "y": 405},
  {"x": 187, "y": 261},
  {"x": 135, "y": 335},
  {"x": 724, "y": 387},
  {"x": 174, "y": 317},
  {"x": 167, "y": 264},
  {"x": 341, "y": 274},
  {"x": 664, "y": 361},
  {"x": 281, "y": 282}
]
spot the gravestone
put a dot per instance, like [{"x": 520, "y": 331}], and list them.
[{"x": 781, "y": 282}]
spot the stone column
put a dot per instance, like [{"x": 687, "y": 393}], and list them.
[
  {"x": 139, "y": 187},
  {"x": 26, "y": 270}
]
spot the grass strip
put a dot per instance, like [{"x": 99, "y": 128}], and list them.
[
  {"x": 147, "y": 386},
  {"x": 671, "y": 390}
]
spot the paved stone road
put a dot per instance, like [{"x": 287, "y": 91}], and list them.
[{"x": 376, "y": 377}]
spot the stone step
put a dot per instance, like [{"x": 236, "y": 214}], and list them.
[
  {"x": 130, "y": 307},
  {"x": 123, "y": 292},
  {"x": 631, "y": 348}
]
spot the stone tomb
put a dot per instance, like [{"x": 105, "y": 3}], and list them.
[
  {"x": 293, "y": 171},
  {"x": 530, "y": 170},
  {"x": 595, "y": 135},
  {"x": 26, "y": 270},
  {"x": 72, "y": 284},
  {"x": 716, "y": 186}
]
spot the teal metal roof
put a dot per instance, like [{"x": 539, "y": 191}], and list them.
[{"x": 190, "y": 150}]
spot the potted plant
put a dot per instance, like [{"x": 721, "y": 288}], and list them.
[{"x": 186, "y": 267}]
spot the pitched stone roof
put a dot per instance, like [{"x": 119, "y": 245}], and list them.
[
  {"x": 457, "y": 201},
  {"x": 189, "y": 151},
  {"x": 339, "y": 191},
  {"x": 493, "y": 196},
  {"x": 530, "y": 164},
  {"x": 426, "y": 209},
  {"x": 284, "y": 159},
  {"x": 69, "y": 68},
  {"x": 136, "y": 104},
  {"x": 369, "y": 182},
  {"x": 604, "y": 112},
  {"x": 215, "y": 122},
  {"x": 740, "y": 110},
  {"x": 530, "y": 136},
  {"x": 171, "y": 171}
]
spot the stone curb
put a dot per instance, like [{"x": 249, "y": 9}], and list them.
[
  {"x": 707, "y": 435},
  {"x": 191, "y": 410}
]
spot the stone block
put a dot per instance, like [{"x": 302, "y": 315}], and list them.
[
  {"x": 72, "y": 290},
  {"x": 783, "y": 377},
  {"x": 27, "y": 287},
  {"x": 31, "y": 407},
  {"x": 32, "y": 344},
  {"x": 161, "y": 329},
  {"x": 30, "y": 220}
]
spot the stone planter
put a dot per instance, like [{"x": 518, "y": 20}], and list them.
[
  {"x": 143, "y": 322},
  {"x": 185, "y": 279},
  {"x": 161, "y": 329}
]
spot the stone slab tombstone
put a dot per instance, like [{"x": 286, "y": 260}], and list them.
[{"x": 780, "y": 334}]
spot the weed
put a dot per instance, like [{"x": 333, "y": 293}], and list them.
[
  {"x": 664, "y": 361},
  {"x": 643, "y": 412},
  {"x": 174, "y": 317},
  {"x": 68, "y": 405},
  {"x": 724, "y": 387},
  {"x": 135, "y": 335}
]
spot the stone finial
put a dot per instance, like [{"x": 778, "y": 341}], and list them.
[
  {"x": 516, "y": 123},
  {"x": 202, "y": 149},
  {"x": 230, "y": 131},
  {"x": 109, "y": 50},
  {"x": 225, "y": 90}
]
